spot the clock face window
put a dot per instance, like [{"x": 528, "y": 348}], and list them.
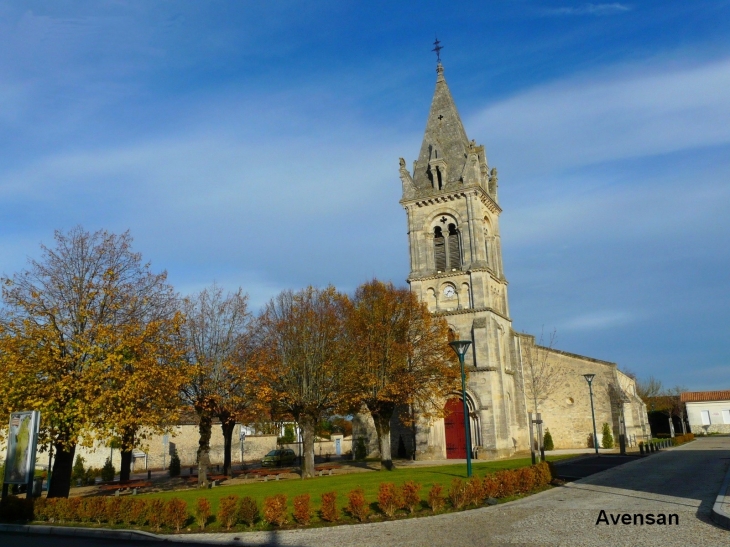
[{"x": 449, "y": 292}]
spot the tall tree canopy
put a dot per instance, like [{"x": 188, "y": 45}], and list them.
[
  {"x": 216, "y": 341},
  {"x": 304, "y": 360},
  {"x": 401, "y": 357},
  {"x": 74, "y": 327}
]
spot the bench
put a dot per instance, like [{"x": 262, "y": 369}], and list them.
[{"x": 123, "y": 485}]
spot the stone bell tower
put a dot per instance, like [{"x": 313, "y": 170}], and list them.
[{"x": 451, "y": 204}]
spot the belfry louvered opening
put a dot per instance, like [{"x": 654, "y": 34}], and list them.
[
  {"x": 439, "y": 250},
  {"x": 446, "y": 249}
]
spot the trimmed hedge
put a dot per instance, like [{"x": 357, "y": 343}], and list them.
[
  {"x": 174, "y": 514},
  {"x": 681, "y": 439}
]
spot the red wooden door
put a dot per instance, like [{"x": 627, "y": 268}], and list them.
[{"x": 454, "y": 425}]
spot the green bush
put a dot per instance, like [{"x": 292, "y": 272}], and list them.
[
  {"x": 607, "y": 441},
  {"x": 547, "y": 441},
  {"x": 288, "y": 436},
  {"x": 78, "y": 472},
  {"x": 175, "y": 465},
  {"x": 108, "y": 471}
]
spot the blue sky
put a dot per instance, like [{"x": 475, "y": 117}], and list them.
[{"x": 256, "y": 145}]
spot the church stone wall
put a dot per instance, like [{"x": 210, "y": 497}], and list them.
[{"x": 567, "y": 410}]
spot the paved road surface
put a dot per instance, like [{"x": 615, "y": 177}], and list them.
[{"x": 683, "y": 481}]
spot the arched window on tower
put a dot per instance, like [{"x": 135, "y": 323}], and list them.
[
  {"x": 439, "y": 249},
  {"x": 446, "y": 249},
  {"x": 454, "y": 248}
]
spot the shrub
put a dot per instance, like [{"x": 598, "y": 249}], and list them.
[
  {"x": 411, "y": 495},
  {"x": 68, "y": 509},
  {"x": 526, "y": 479},
  {"x": 202, "y": 512},
  {"x": 589, "y": 441},
  {"x": 174, "y": 464},
  {"x": 248, "y": 511},
  {"x": 113, "y": 510},
  {"x": 78, "y": 472},
  {"x": 436, "y": 499},
  {"x": 507, "y": 483},
  {"x": 329, "y": 511},
  {"x": 15, "y": 509},
  {"x": 176, "y": 513},
  {"x": 543, "y": 474},
  {"x": 357, "y": 506},
  {"x": 227, "y": 514},
  {"x": 92, "y": 509},
  {"x": 388, "y": 499},
  {"x": 457, "y": 493},
  {"x": 547, "y": 441},
  {"x": 40, "y": 508},
  {"x": 140, "y": 512},
  {"x": 154, "y": 513},
  {"x": 607, "y": 441},
  {"x": 303, "y": 509},
  {"x": 490, "y": 486},
  {"x": 275, "y": 509},
  {"x": 108, "y": 471},
  {"x": 90, "y": 475},
  {"x": 474, "y": 491},
  {"x": 131, "y": 509}
]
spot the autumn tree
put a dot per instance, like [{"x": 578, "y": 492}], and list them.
[
  {"x": 304, "y": 363},
  {"x": 540, "y": 375},
  {"x": 401, "y": 357},
  {"x": 215, "y": 336},
  {"x": 72, "y": 325}
]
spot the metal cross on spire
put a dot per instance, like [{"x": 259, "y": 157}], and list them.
[{"x": 437, "y": 48}]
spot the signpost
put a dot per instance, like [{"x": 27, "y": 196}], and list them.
[{"x": 22, "y": 443}]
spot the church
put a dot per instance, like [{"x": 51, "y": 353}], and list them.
[{"x": 450, "y": 198}]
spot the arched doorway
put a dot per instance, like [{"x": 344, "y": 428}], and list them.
[{"x": 454, "y": 429}]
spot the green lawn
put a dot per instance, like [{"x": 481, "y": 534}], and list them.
[{"x": 343, "y": 484}]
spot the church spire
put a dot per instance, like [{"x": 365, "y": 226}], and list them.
[{"x": 445, "y": 144}]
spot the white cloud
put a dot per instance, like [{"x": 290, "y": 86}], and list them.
[
  {"x": 627, "y": 113},
  {"x": 597, "y": 321},
  {"x": 589, "y": 9}
]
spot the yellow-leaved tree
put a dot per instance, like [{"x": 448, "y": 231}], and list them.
[
  {"x": 401, "y": 356},
  {"x": 304, "y": 362},
  {"x": 87, "y": 338}
]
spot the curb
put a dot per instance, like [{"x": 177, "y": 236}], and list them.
[
  {"x": 97, "y": 533},
  {"x": 719, "y": 515}
]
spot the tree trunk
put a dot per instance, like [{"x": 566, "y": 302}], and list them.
[
  {"x": 306, "y": 425},
  {"x": 62, "y": 467},
  {"x": 382, "y": 426},
  {"x": 126, "y": 453},
  {"x": 227, "y": 426},
  {"x": 684, "y": 426},
  {"x": 205, "y": 429}
]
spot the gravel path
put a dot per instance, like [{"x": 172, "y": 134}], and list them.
[{"x": 682, "y": 481}]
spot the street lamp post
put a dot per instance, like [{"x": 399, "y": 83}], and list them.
[
  {"x": 460, "y": 347},
  {"x": 589, "y": 379}
]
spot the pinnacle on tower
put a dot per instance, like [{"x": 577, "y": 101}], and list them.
[{"x": 445, "y": 144}]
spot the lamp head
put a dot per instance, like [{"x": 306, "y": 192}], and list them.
[
  {"x": 460, "y": 346},
  {"x": 589, "y": 377}
]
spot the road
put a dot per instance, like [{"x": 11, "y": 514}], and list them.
[{"x": 683, "y": 481}]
